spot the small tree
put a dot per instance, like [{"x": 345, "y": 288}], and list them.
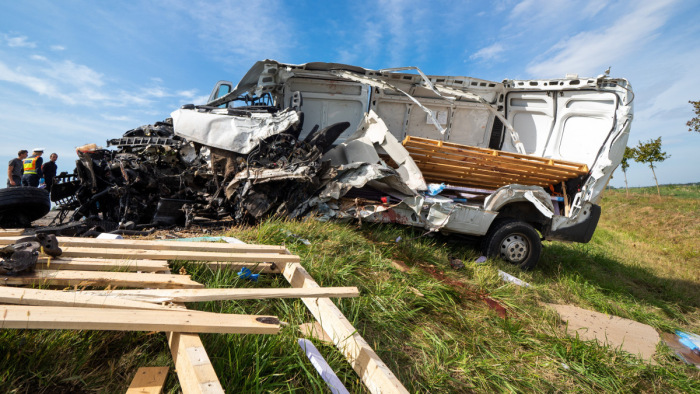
[
  {"x": 629, "y": 154},
  {"x": 694, "y": 124},
  {"x": 650, "y": 153}
]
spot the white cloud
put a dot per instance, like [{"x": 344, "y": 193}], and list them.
[
  {"x": 19, "y": 42},
  {"x": 38, "y": 57},
  {"x": 488, "y": 53},
  {"x": 58, "y": 48},
  {"x": 241, "y": 32},
  {"x": 591, "y": 52},
  {"x": 187, "y": 93}
]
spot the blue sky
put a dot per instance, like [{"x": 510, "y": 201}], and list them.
[{"x": 77, "y": 72}]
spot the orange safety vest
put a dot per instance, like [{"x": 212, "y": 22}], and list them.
[{"x": 29, "y": 165}]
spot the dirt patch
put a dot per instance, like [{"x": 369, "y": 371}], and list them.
[{"x": 628, "y": 335}]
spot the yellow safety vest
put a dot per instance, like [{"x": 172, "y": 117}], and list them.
[{"x": 29, "y": 165}]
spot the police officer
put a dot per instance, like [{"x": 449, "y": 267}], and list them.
[
  {"x": 14, "y": 169},
  {"x": 32, "y": 168}
]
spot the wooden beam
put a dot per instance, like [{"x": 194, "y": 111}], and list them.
[
  {"x": 374, "y": 373},
  {"x": 160, "y": 245},
  {"x": 194, "y": 369},
  {"x": 93, "y": 278},
  {"x": 29, "y": 296},
  {"x": 67, "y": 318},
  {"x": 11, "y": 232},
  {"x": 200, "y": 295},
  {"x": 73, "y": 251},
  {"x": 148, "y": 380},
  {"x": 91, "y": 264}
]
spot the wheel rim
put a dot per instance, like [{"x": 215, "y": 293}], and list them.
[{"x": 515, "y": 248}]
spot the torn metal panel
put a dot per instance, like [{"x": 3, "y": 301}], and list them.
[
  {"x": 372, "y": 139},
  {"x": 459, "y": 218},
  {"x": 240, "y": 134},
  {"x": 515, "y": 193}
]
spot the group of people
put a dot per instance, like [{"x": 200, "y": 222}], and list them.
[{"x": 25, "y": 170}]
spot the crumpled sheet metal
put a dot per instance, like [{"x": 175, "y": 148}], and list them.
[
  {"x": 240, "y": 134},
  {"x": 460, "y": 218},
  {"x": 371, "y": 139},
  {"x": 513, "y": 193}
]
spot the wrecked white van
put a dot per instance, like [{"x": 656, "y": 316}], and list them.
[{"x": 513, "y": 162}]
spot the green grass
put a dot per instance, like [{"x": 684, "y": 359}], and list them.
[{"x": 431, "y": 324}]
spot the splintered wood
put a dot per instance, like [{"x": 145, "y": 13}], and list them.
[
  {"x": 144, "y": 264},
  {"x": 464, "y": 165}
]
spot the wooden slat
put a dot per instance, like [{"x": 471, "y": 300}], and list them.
[
  {"x": 160, "y": 245},
  {"x": 376, "y": 376},
  {"x": 200, "y": 295},
  {"x": 39, "y": 297},
  {"x": 194, "y": 369},
  {"x": 94, "y": 278},
  {"x": 73, "y": 251},
  {"x": 488, "y": 161},
  {"x": 67, "y": 318},
  {"x": 471, "y": 166},
  {"x": 10, "y": 232},
  {"x": 148, "y": 380},
  {"x": 91, "y": 264}
]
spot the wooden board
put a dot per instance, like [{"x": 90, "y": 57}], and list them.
[
  {"x": 200, "y": 295},
  {"x": 159, "y": 245},
  {"x": 74, "y": 251},
  {"x": 92, "y": 264},
  {"x": 465, "y": 165},
  {"x": 93, "y": 278},
  {"x": 148, "y": 380},
  {"x": 10, "y": 232},
  {"x": 376, "y": 376},
  {"x": 29, "y": 296},
  {"x": 67, "y": 318},
  {"x": 194, "y": 369}
]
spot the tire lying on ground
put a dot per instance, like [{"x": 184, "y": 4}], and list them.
[{"x": 20, "y": 206}]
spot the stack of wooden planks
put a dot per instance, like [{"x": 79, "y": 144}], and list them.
[
  {"x": 150, "y": 298},
  {"x": 464, "y": 165}
]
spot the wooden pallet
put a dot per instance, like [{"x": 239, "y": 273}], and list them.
[
  {"x": 470, "y": 166},
  {"x": 85, "y": 261}
]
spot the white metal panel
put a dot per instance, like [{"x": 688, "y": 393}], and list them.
[{"x": 532, "y": 117}]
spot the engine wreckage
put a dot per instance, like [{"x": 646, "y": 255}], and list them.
[{"x": 512, "y": 162}]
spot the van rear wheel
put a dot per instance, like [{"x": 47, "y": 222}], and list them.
[{"x": 513, "y": 241}]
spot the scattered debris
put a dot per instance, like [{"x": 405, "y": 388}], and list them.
[
  {"x": 400, "y": 265},
  {"x": 480, "y": 260},
  {"x": 456, "y": 263},
  {"x": 322, "y": 367},
  {"x": 512, "y": 279},
  {"x": 298, "y": 238},
  {"x": 21, "y": 257},
  {"x": 628, "y": 335},
  {"x": 686, "y": 351}
]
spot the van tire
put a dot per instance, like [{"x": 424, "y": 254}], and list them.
[
  {"x": 20, "y": 206},
  {"x": 513, "y": 241}
]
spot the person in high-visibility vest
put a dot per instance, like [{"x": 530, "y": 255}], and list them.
[{"x": 32, "y": 168}]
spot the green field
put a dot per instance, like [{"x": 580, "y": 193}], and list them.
[{"x": 431, "y": 324}]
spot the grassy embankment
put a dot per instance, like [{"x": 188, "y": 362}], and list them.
[{"x": 430, "y": 324}]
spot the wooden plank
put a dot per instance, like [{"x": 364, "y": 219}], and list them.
[
  {"x": 160, "y": 245},
  {"x": 200, "y": 295},
  {"x": 194, "y": 369},
  {"x": 148, "y": 380},
  {"x": 94, "y": 278},
  {"x": 39, "y": 297},
  {"x": 374, "y": 373},
  {"x": 448, "y": 145},
  {"x": 10, "y": 232},
  {"x": 91, "y": 264},
  {"x": 73, "y": 251},
  {"x": 472, "y": 166},
  {"x": 68, "y": 318},
  {"x": 486, "y": 160}
]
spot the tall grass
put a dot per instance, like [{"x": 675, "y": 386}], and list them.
[{"x": 431, "y": 324}]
